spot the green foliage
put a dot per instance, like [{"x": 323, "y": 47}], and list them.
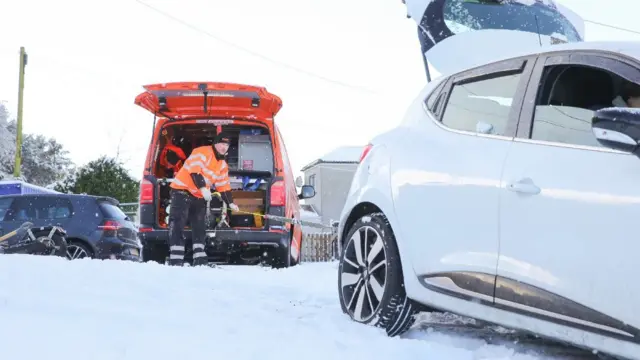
[{"x": 103, "y": 177}]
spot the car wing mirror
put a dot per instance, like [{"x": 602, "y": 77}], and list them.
[
  {"x": 617, "y": 128},
  {"x": 307, "y": 192}
]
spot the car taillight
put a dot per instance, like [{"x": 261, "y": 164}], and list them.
[
  {"x": 146, "y": 192},
  {"x": 109, "y": 225},
  {"x": 278, "y": 194},
  {"x": 365, "y": 151}
]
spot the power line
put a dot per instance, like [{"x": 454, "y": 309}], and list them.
[
  {"x": 256, "y": 54},
  {"x": 613, "y": 26}
]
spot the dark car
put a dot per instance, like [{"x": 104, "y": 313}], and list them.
[{"x": 96, "y": 227}]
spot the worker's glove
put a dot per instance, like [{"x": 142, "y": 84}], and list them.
[
  {"x": 234, "y": 207},
  {"x": 206, "y": 194}
]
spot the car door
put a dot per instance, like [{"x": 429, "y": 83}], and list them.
[
  {"x": 568, "y": 205},
  {"x": 446, "y": 175}
]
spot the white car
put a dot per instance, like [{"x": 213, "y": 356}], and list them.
[{"x": 501, "y": 197}]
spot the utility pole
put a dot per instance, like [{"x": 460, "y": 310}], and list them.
[{"x": 18, "y": 162}]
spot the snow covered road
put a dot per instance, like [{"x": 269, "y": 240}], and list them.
[{"x": 122, "y": 310}]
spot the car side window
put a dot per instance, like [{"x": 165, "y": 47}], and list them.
[
  {"x": 5, "y": 204},
  {"x": 567, "y": 98},
  {"x": 61, "y": 210},
  {"x": 41, "y": 208},
  {"x": 481, "y": 106}
]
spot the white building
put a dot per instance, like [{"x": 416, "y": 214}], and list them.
[{"x": 331, "y": 177}]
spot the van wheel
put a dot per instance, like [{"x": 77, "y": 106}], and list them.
[
  {"x": 158, "y": 254},
  {"x": 278, "y": 258},
  {"x": 370, "y": 279},
  {"x": 293, "y": 261}
]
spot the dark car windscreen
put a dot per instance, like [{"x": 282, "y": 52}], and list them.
[{"x": 540, "y": 18}]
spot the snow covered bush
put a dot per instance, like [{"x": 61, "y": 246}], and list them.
[{"x": 44, "y": 160}]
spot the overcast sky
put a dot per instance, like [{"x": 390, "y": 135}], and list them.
[{"x": 345, "y": 69}]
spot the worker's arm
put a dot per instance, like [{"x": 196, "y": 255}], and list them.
[
  {"x": 195, "y": 164},
  {"x": 223, "y": 184}
]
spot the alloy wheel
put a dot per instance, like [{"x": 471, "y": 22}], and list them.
[
  {"x": 364, "y": 273},
  {"x": 76, "y": 252}
]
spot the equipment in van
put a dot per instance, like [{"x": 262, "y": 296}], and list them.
[{"x": 264, "y": 216}]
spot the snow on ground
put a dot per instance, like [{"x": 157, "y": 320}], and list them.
[{"x": 51, "y": 308}]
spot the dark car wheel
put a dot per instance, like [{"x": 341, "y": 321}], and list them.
[
  {"x": 370, "y": 280},
  {"x": 77, "y": 250}
]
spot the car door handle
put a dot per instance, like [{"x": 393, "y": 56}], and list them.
[{"x": 524, "y": 186}]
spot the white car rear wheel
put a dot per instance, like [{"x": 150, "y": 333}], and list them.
[{"x": 370, "y": 280}]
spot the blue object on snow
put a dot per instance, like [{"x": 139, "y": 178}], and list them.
[{"x": 14, "y": 187}]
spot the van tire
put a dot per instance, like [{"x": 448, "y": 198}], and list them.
[
  {"x": 158, "y": 254},
  {"x": 279, "y": 258},
  {"x": 293, "y": 261}
]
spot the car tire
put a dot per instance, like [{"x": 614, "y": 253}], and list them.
[
  {"x": 371, "y": 287},
  {"x": 78, "y": 250}
]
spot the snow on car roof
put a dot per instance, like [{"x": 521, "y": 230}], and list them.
[{"x": 629, "y": 48}]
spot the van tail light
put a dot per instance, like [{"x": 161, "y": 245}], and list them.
[
  {"x": 109, "y": 225},
  {"x": 278, "y": 194},
  {"x": 146, "y": 192},
  {"x": 365, "y": 151}
]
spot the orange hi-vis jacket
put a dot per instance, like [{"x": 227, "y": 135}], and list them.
[{"x": 203, "y": 162}]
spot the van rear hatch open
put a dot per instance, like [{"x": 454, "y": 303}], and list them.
[{"x": 197, "y": 100}]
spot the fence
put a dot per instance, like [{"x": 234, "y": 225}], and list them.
[{"x": 319, "y": 247}]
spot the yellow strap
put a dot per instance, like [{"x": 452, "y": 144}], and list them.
[
  {"x": 8, "y": 235},
  {"x": 247, "y": 213}
]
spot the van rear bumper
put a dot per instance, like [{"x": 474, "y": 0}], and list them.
[{"x": 222, "y": 240}]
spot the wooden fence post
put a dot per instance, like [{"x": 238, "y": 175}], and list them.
[{"x": 318, "y": 247}]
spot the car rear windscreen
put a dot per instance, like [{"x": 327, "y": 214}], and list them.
[{"x": 113, "y": 212}]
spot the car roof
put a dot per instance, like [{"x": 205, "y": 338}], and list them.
[
  {"x": 628, "y": 48},
  {"x": 62, "y": 195}
]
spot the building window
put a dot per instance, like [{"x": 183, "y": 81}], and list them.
[{"x": 312, "y": 180}]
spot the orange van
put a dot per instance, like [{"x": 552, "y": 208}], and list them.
[{"x": 190, "y": 114}]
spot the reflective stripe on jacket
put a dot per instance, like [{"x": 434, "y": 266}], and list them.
[{"x": 203, "y": 161}]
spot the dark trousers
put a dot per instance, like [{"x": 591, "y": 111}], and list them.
[{"x": 185, "y": 206}]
